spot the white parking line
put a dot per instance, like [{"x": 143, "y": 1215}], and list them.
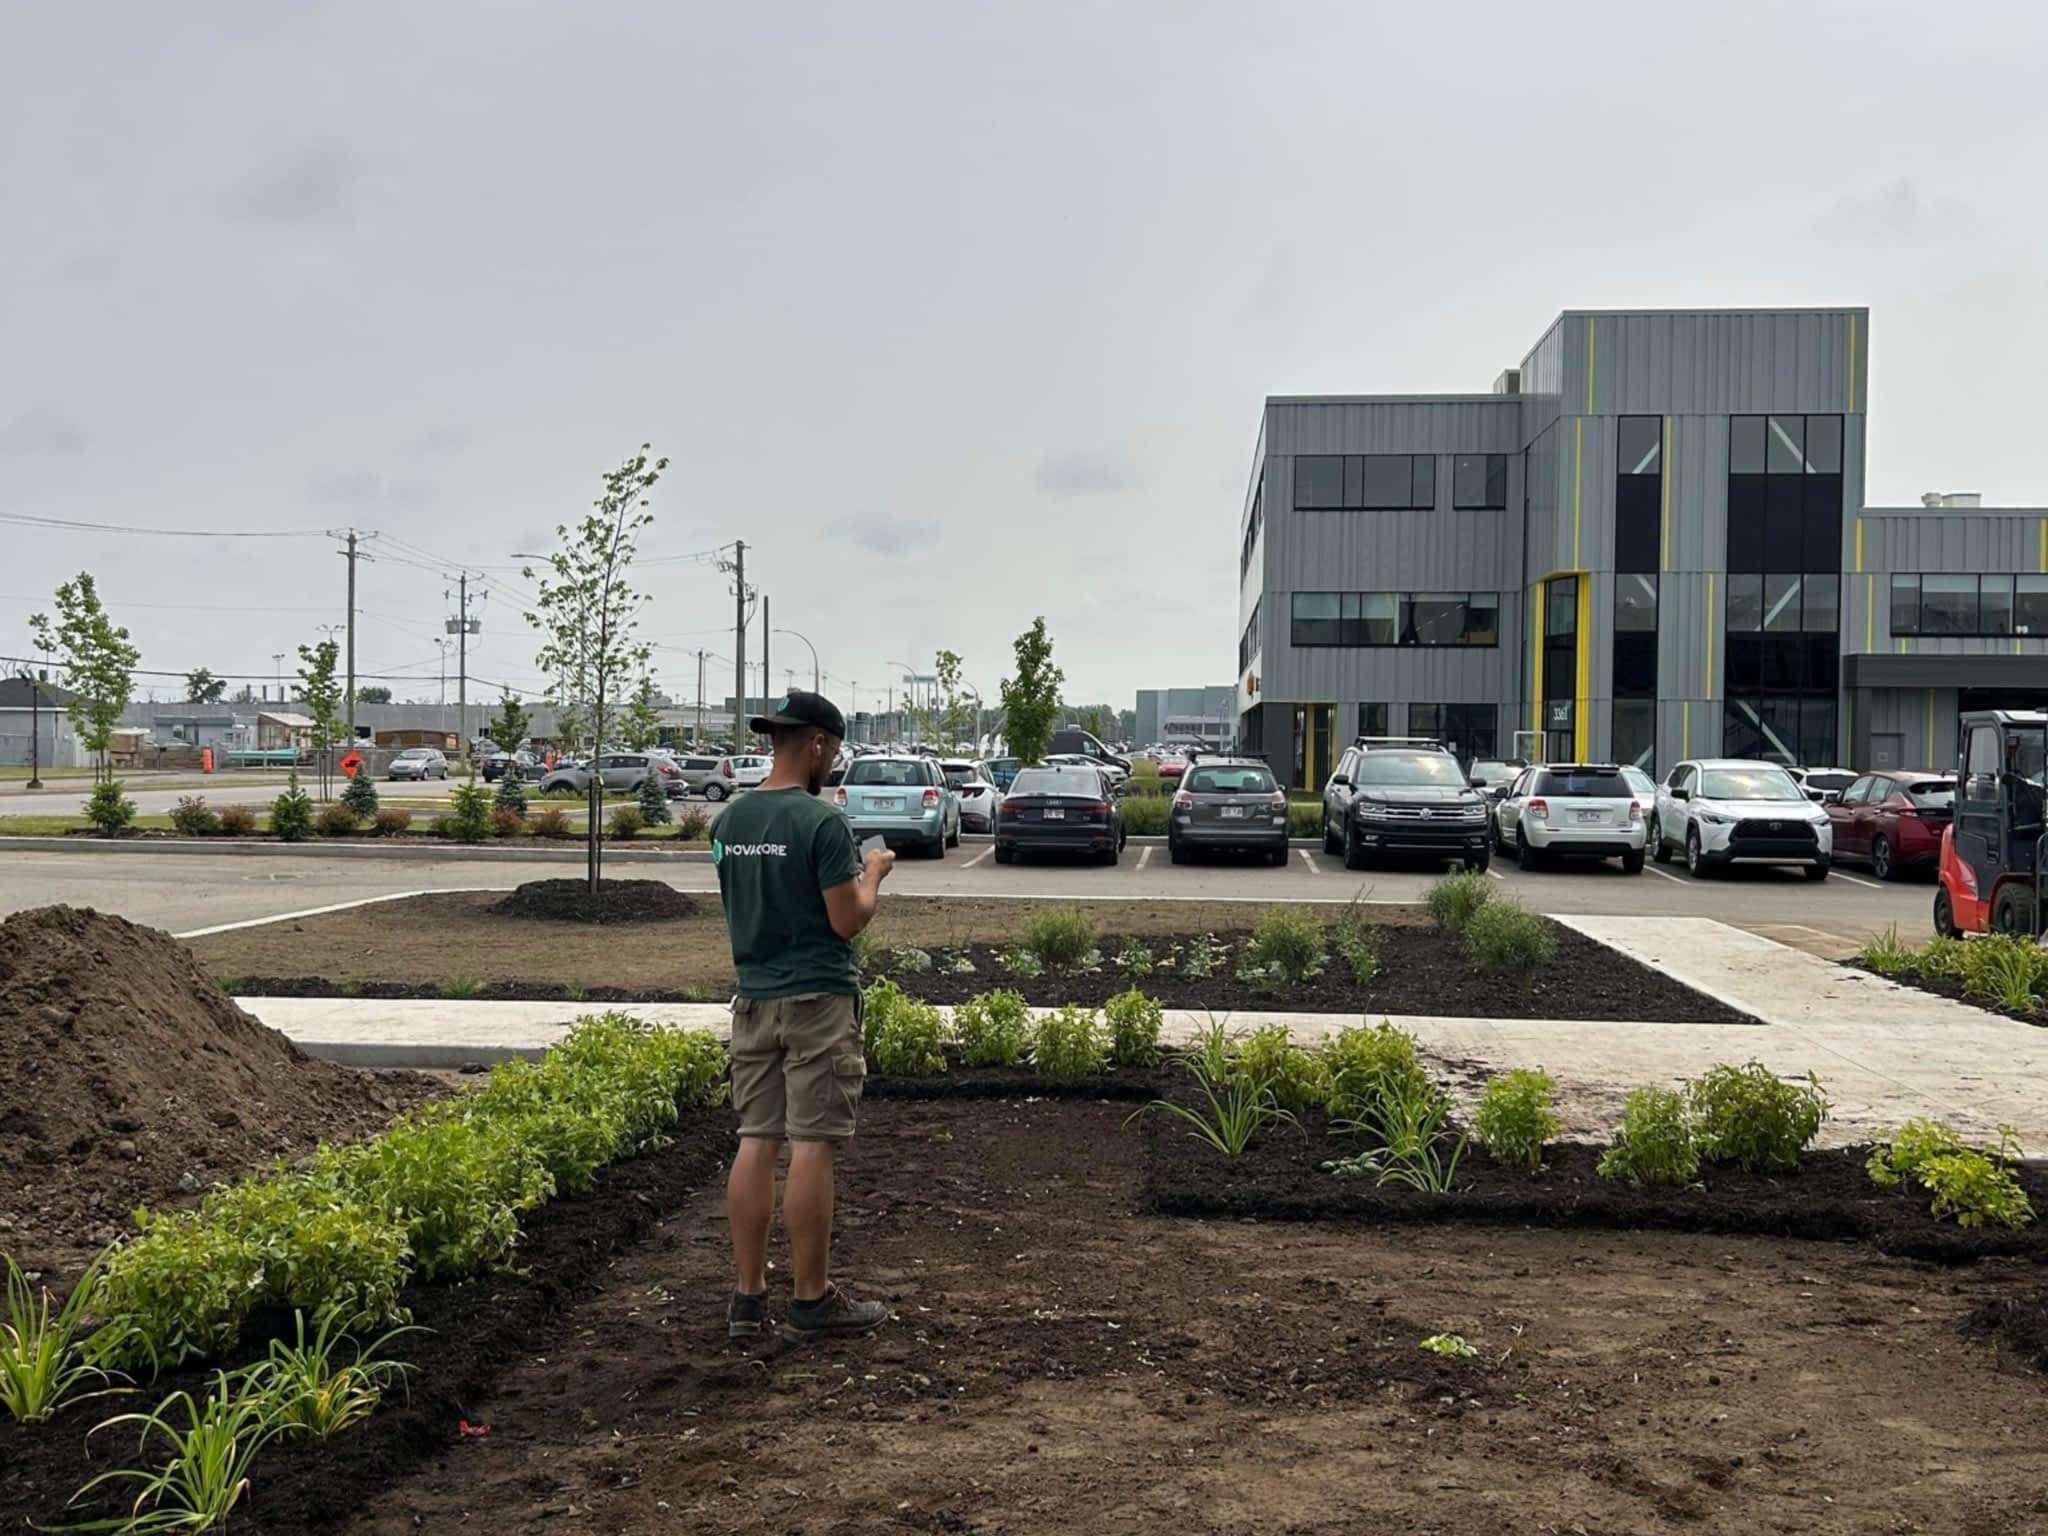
[
  {"x": 991, "y": 848},
  {"x": 1503, "y": 879},
  {"x": 1144, "y": 856},
  {"x": 1653, "y": 869},
  {"x": 1871, "y": 885},
  {"x": 1310, "y": 860}
]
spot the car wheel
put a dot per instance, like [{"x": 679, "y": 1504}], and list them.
[
  {"x": 936, "y": 848},
  {"x": 1493, "y": 827},
  {"x": 2012, "y": 911},
  {"x": 1527, "y": 854},
  {"x": 1632, "y": 862},
  {"x": 1695, "y": 860},
  {"x": 1659, "y": 849},
  {"x": 1332, "y": 843},
  {"x": 953, "y": 841},
  {"x": 1818, "y": 872},
  {"x": 1175, "y": 854},
  {"x": 1480, "y": 864},
  {"x": 1945, "y": 915},
  {"x": 1005, "y": 855},
  {"x": 1354, "y": 856},
  {"x": 1280, "y": 856},
  {"x": 1881, "y": 860},
  {"x": 714, "y": 793}
]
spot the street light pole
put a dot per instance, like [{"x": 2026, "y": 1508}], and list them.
[
  {"x": 817, "y": 675},
  {"x": 35, "y": 732},
  {"x": 910, "y": 695}
]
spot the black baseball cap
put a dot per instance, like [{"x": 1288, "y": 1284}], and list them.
[{"x": 800, "y": 708}]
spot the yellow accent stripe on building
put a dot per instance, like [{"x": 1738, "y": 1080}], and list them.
[
  {"x": 1668, "y": 434},
  {"x": 1536, "y": 660},
  {"x": 1859, "y": 543},
  {"x": 1582, "y": 703},
  {"x": 1929, "y": 743},
  {"x": 1869, "y": 610},
  {"x": 1852, "y": 365},
  {"x": 1685, "y": 728},
  {"x": 2044, "y": 543},
  {"x": 1708, "y": 691},
  {"x": 1593, "y": 358},
  {"x": 1578, "y": 480}
]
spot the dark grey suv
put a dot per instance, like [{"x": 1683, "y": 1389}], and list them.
[
  {"x": 1228, "y": 805},
  {"x": 1404, "y": 798}
]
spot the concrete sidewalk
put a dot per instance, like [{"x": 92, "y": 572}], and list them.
[{"x": 1884, "y": 1053}]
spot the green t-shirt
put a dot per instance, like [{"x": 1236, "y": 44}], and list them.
[{"x": 778, "y": 851}]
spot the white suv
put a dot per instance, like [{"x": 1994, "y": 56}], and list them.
[
  {"x": 1736, "y": 810},
  {"x": 1583, "y": 809}
]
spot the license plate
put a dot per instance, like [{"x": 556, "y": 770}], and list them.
[
  {"x": 1054, "y": 815},
  {"x": 1233, "y": 813},
  {"x": 1592, "y": 815},
  {"x": 886, "y": 803}
]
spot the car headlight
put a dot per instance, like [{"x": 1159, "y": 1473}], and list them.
[{"x": 1715, "y": 818}]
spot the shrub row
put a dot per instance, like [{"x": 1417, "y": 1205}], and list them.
[
  {"x": 905, "y": 1037},
  {"x": 1997, "y": 968},
  {"x": 474, "y": 815}
]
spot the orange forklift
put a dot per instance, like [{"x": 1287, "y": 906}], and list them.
[{"x": 1994, "y": 854}]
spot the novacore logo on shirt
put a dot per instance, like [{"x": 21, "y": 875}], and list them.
[{"x": 759, "y": 850}]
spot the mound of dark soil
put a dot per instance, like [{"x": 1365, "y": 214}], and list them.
[
  {"x": 131, "y": 1080},
  {"x": 2015, "y": 1323},
  {"x": 616, "y": 901}
]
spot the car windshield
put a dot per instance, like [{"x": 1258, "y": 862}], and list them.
[
  {"x": 1229, "y": 781},
  {"x": 1581, "y": 784},
  {"x": 1049, "y": 781},
  {"x": 1827, "y": 781},
  {"x": 1934, "y": 794},
  {"x": 1759, "y": 783},
  {"x": 414, "y": 752},
  {"x": 958, "y": 775},
  {"x": 896, "y": 772},
  {"x": 1376, "y": 768},
  {"x": 1489, "y": 773}
]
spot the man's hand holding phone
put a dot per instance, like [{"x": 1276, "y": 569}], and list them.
[{"x": 876, "y": 860}]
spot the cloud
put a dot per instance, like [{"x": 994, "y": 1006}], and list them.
[
  {"x": 41, "y": 432},
  {"x": 880, "y": 533},
  {"x": 350, "y": 487},
  {"x": 310, "y": 185},
  {"x": 1085, "y": 472},
  {"x": 436, "y": 440},
  {"x": 1895, "y": 211}
]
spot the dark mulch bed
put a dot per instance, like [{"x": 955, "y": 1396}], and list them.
[
  {"x": 615, "y": 901},
  {"x": 1124, "y": 1084},
  {"x": 1831, "y": 1199},
  {"x": 479, "y": 1329},
  {"x": 2016, "y": 1323},
  {"x": 1941, "y": 986}
]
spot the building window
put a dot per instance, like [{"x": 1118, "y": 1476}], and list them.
[
  {"x": 1782, "y": 666},
  {"x": 1479, "y": 482},
  {"x": 1470, "y": 730},
  {"x": 1635, "y": 636},
  {"x": 1248, "y": 642},
  {"x": 1639, "y": 493},
  {"x": 1252, "y": 526},
  {"x": 1369, "y": 482},
  {"x": 1635, "y": 733},
  {"x": 1372, "y": 720},
  {"x": 1360, "y": 619},
  {"x": 2030, "y": 606},
  {"x": 1785, "y": 493},
  {"x": 1641, "y": 445},
  {"x": 1560, "y": 668},
  {"x": 1982, "y": 607}
]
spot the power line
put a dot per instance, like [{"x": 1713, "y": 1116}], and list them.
[{"x": 36, "y": 520}]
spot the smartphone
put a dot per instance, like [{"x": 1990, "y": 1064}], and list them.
[{"x": 869, "y": 844}]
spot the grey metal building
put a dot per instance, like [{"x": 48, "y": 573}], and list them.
[
  {"x": 1186, "y": 717},
  {"x": 1647, "y": 543}
]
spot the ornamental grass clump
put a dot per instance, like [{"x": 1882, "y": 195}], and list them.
[
  {"x": 1061, "y": 940},
  {"x": 1505, "y": 936},
  {"x": 1453, "y": 900}
]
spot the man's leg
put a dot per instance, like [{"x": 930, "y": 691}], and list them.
[
  {"x": 750, "y": 1207},
  {"x": 807, "y": 1216}
]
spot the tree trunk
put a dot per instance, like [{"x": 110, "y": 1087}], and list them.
[{"x": 597, "y": 796}]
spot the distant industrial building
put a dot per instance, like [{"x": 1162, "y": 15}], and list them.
[{"x": 1187, "y": 717}]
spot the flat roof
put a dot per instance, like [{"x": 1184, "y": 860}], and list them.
[{"x": 1484, "y": 395}]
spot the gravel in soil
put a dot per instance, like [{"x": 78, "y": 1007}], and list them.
[
  {"x": 1059, "y": 1364},
  {"x": 131, "y": 1080},
  {"x": 1941, "y": 986},
  {"x": 615, "y": 901}
]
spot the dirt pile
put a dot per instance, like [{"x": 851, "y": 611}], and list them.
[
  {"x": 130, "y": 1080},
  {"x": 616, "y": 901}
]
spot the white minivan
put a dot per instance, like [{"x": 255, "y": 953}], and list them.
[{"x": 1719, "y": 811}]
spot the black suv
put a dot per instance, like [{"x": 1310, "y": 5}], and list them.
[
  {"x": 1403, "y": 795},
  {"x": 1073, "y": 742}
]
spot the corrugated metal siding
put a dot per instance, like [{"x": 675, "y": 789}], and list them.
[
  {"x": 1924, "y": 719},
  {"x": 1479, "y": 424},
  {"x": 1716, "y": 363}
]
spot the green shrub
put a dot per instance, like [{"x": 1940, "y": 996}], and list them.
[
  {"x": 334, "y": 820},
  {"x": 1203, "y": 957},
  {"x": 511, "y": 795},
  {"x": 1136, "y": 961},
  {"x": 2002, "y": 969},
  {"x": 1454, "y": 899},
  {"x": 1069, "y": 1044},
  {"x": 359, "y": 794},
  {"x": 694, "y": 827},
  {"x": 468, "y": 819},
  {"x": 1975, "y": 1187},
  {"x": 1304, "y": 819},
  {"x": 1657, "y": 1142},
  {"x": 237, "y": 821},
  {"x": 1061, "y": 939},
  {"x": 178, "y": 1289},
  {"x": 1503, "y": 935},
  {"x": 626, "y": 822},
  {"x": 313, "y": 1245},
  {"x": 1288, "y": 944},
  {"x": 994, "y": 1029},
  {"x": 291, "y": 813},
  {"x": 1515, "y": 1120},
  {"x": 193, "y": 817},
  {"x": 549, "y": 821},
  {"x": 1941, "y": 959},
  {"x": 653, "y": 799},
  {"x": 391, "y": 819},
  {"x": 1369, "y": 1065},
  {"x": 1749, "y": 1117},
  {"x": 1297, "y": 1078},
  {"x": 107, "y": 809},
  {"x": 1147, "y": 815},
  {"x": 1134, "y": 1021},
  {"x": 1357, "y": 943},
  {"x": 507, "y": 821},
  {"x": 1410, "y": 1142},
  {"x": 1019, "y": 962},
  {"x": 905, "y": 1037},
  {"x": 1886, "y": 954}
]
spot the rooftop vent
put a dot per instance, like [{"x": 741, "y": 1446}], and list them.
[
  {"x": 1509, "y": 382},
  {"x": 1951, "y": 499}
]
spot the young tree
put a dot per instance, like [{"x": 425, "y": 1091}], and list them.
[
  {"x": 1091, "y": 721},
  {"x": 322, "y": 693},
  {"x": 588, "y": 613},
  {"x": 375, "y": 693},
  {"x": 511, "y": 726},
  {"x": 641, "y": 722},
  {"x": 202, "y": 687},
  {"x": 954, "y": 711},
  {"x": 99, "y": 664},
  {"x": 1031, "y": 700}
]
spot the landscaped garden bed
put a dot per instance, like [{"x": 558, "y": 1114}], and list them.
[{"x": 1995, "y": 972}]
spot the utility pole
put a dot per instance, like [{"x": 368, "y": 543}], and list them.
[
  {"x": 462, "y": 670},
  {"x": 700, "y": 701},
  {"x": 737, "y": 565},
  {"x": 351, "y": 555},
  {"x": 765, "y": 684}
]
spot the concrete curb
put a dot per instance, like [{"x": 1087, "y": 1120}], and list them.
[{"x": 525, "y": 853}]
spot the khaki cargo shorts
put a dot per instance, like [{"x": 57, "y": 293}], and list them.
[{"x": 797, "y": 1065}]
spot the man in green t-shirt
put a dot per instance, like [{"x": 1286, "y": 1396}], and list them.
[{"x": 795, "y": 892}]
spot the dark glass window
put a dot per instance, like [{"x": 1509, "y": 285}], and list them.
[
  {"x": 1467, "y": 729},
  {"x": 1389, "y": 481},
  {"x": 1378, "y": 612},
  {"x": 1318, "y": 481},
  {"x": 1817, "y": 730},
  {"x": 1252, "y": 525},
  {"x": 1994, "y": 605},
  {"x": 1479, "y": 482},
  {"x": 1354, "y": 481},
  {"x": 1820, "y": 605},
  {"x": 2030, "y": 607},
  {"x": 1433, "y": 618},
  {"x": 1824, "y": 445},
  {"x": 1745, "y": 662},
  {"x": 1423, "y": 482},
  {"x": 1635, "y": 732},
  {"x": 1784, "y": 522},
  {"x": 1948, "y": 605},
  {"x": 1395, "y": 618},
  {"x": 1635, "y": 636},
  {"x": 1561, "y": 606},
  {"x": 1638, "y": 522},
  {"x": 1820, "y": 535},
  {"x": 1482, "y": 618},
  {"x": 1745, "y": 445},
  {"x": 1248, "y": 642},
  {"x": 1641, "y": 445},
  {"x": 1372, "y": 720},
  {"x": 1745, "y": 602},
  {"x": 1906, "y": 605},
  {"x": 1785, "y": 445},
  {"x": 1989, "y": 606},
  {"x": 1316, "y": 618},
  {"x": 1781, "y": 603},
  {"x": 1746, "y": 515}
]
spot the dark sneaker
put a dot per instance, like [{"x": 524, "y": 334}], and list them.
[
  {"x": 746, "y": 1316},
  {"x": 833, "y": 1315}
]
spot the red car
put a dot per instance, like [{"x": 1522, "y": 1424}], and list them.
[{"x": 1894, "y": 820}]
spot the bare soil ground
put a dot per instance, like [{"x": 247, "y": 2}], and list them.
[{"x": 1058, "y": 1364}]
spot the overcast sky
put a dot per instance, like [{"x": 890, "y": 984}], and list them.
[{"x": 956, "y": 313}]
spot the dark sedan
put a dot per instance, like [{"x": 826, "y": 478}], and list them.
[
  {"x": 1060, "y": 809},
  {"x": 1228, "y": 806}
]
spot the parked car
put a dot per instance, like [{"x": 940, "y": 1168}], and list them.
[
  {"x": 1081, "y": 744},
  {"x": 976, "y": 791},
  {"x": 1492, "y": 774},
  {"x": 1822, "y": 783},
  {"x": 744, "y": 770},
  {"x": 1731, "y": 810},
  {"x": 619, "y": 771},
  {"x": 1003, "y": 770},
  {"x": 1390, "y": 796},
  {"x": 1641, "y": 785},
  {"x": 903, "y": 800},
  {"x": 1580, "y": 810},
  {"x": 419, "y": 763},
  {"x": 1060, "y": 808},
  {"x": 1894, "y": 820},
  {"x": 1226, "y": 804},
  {"x": 1172, "y": 766},
  {"x": 695, "y": 771},
  {"x": 493, "y": 766}
]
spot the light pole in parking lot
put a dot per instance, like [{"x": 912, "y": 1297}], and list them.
[
  {"x": 910, "y": 695},
  {"x": 816, "y": 675}
]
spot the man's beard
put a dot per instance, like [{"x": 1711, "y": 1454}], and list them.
[{"x": 816, "y": 781}]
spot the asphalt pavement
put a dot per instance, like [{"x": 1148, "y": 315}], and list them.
[{"x": 182, "y": 892}]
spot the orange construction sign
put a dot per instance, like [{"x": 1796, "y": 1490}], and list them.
[{"x": 352, "y": 764}]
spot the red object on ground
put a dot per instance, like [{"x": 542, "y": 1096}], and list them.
[{"x": 467, "y": 1428}]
